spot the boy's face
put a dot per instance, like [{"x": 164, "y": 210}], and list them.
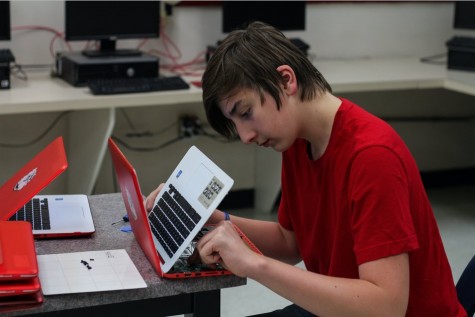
[{"x": 260, "y": 123}]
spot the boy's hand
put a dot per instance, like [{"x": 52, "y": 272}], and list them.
[
  {"x": 151, "y": 197},
  {"x": 223, "y": 245}
]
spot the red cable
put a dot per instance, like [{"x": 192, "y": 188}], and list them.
[{"x": 48, "y": 29}]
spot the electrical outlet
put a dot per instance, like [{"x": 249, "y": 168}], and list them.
[{"x": 189, "y": 126}]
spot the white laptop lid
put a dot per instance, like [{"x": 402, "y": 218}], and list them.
[{"x": 203, "y": 184}]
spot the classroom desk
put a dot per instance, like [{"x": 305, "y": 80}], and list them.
[
  {"x": 42, "y": 93},
  {"x": 162, "y": 297}
]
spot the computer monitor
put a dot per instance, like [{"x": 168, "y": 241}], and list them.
[
  {"x": 109, "y": 21},
  {"x": 5, "y": 31},
  {"x": 464, "y": 15},
  {"x": 284, "y": 15}
]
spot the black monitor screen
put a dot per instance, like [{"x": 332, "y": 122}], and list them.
[
  {"x": 464, "y": 17},
  {"x": 97, "y": 20},
  {"x": 108, "y": 21},
  {"x": 284, "y": 15},
  {"x": 5, "y": 32}
]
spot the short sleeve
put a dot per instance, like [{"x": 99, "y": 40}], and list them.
[{"x": 379, "y": 197}]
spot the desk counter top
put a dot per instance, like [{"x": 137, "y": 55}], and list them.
[
  {"x": 43, "y": 93},
  {"x": 107, "y": 209}
]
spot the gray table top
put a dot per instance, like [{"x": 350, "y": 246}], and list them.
[{"x": 107, "y": 209}]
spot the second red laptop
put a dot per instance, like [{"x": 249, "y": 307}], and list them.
[{"x": 50, "y": 215}]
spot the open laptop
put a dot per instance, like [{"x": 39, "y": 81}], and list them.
[
  {"x": 168, "y": 233},
  {"x": 50, "y": 215}
]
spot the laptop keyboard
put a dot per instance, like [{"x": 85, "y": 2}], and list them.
[
  {"x": 172, "y": 219},
  {"x": 36, "y": 211}
]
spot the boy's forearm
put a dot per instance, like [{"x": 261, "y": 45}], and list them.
[
  {"x": 266, "y": 235},
  {"x": 325, "y": 295}
]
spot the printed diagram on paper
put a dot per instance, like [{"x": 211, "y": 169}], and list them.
[{"x": 93, "y": 271}]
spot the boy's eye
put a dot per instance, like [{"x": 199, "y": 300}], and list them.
[{"x": 245, "y": 114}]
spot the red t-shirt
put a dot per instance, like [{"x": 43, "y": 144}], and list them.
[{"x": 364, "y": 200}]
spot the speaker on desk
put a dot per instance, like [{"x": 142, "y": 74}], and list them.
[{"x": 461, "y": 53}]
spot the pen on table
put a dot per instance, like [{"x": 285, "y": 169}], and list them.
[{"x": 124, "y": 219}]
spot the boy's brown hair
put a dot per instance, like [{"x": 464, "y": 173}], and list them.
[{"x": 248, "y": 59}]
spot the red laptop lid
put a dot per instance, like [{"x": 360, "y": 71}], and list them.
[
  {"x": 133, "y": 200},
  {"x": 17, "y": 251},
  {"x": 32, "y": 178}
]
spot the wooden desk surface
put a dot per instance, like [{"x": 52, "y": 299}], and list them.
[{"x": 107, "y": 209}]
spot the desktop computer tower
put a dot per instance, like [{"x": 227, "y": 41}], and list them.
[
  {"x": 76, "y": 68},
  {"x": 4, "y": 75},
  {"x": 6, "y": 58}
]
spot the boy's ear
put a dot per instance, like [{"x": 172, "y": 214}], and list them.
[{"x": 289, "y": 80}]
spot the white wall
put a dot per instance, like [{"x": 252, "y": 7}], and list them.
[
  {"x": 342, "y": 30},
  {"x": 334, "y": 30}
]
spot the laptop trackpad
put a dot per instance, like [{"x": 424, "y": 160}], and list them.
[{"x": 67, "y": 217}]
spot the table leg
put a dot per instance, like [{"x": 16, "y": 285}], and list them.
[
  {"x": 86, "y": 147},
  {"x": 206, "y": 304}
]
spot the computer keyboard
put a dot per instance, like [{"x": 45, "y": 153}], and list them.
[
  {"x": 6, "y": 56},
  {"x": 134, "y": 85},
  {"x": 35, "y": 211},
  {"x": 172, "y": 219}
]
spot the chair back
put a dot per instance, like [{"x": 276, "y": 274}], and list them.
[{"x": 466, "y": 288}]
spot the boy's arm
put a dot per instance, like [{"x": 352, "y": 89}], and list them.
[
  {"x": 269, "y": 237},
  {"x": 382, "y": 288}
]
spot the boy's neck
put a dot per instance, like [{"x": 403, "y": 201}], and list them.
[{"x": 320, "y": 123}]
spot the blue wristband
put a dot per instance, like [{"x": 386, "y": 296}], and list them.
[{"x": 226, "y": 216}]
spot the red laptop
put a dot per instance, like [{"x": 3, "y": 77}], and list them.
[
  {"x": 19, "y": 283},
  {"x": 23, "y": 301},
  {"x": 17, "y": 252},
  {"x": 20, "y": 287},
  {"x": 50, "y": 215},
  {"x": 152, "y": 241}
]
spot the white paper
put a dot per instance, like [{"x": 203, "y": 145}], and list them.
[{"x": 92, "y": 271}]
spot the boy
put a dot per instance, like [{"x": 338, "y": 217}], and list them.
[{"x": 353, "y": 206}]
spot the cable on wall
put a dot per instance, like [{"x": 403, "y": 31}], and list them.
[
  {"x": 39, "y": 137},
  {"x": 146, "y": 149},
  {"x": 57, "y": 35},
  {"x": 435, "y": 59}
]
